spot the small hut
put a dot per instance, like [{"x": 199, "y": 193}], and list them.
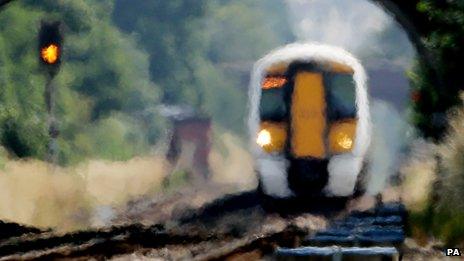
[{"x": 190, "y": 140}]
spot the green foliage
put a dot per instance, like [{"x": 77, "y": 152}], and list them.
[
  {"x": 439, "y": 222},
  {"x": 105, "y": 98},
  {"x": 116, "y": 137},
  {"x": 437, "y": 86},
  {"x": 201, "y": 51},
  {"x": 22, "y": 107},
  {"x": 424, "y": 109},
  {"x": 175, "y": 180},
  {"x": 245, "y": 30},
  {"x": 167, "y": 30},
  {"x": 438, "y": 83},
  {"x": 197, "y": 52},
  {"x": 452, "y": 230}
]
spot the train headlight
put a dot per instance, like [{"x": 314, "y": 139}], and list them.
[
  {"x": 341, "y": 136},
  {"x": 264, "y": 138},
  {"x": 344, "y": 141},
  {"x": 272, "y": 136}
]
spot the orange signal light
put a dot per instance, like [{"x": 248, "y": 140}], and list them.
[{"x": 50, "y": 53}]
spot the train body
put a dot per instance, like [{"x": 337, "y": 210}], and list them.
[{"x": 309, "y": 121}]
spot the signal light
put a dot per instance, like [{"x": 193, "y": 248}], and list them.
[
  {"x": 50, "y": 46},
  {"x": 50, "y": 53}
]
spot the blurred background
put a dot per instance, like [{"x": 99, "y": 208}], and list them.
[{"x": 151, "y": 99}]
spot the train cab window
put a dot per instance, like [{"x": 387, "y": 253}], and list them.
[
  {"x": 341, "y": 96},
  {"x": 272, "y": 106}
]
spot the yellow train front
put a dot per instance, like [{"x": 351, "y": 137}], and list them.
[{"x": 309, "y": 121}]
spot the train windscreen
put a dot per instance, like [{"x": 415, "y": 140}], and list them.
[
  {"x": 341, "y": 96},
  {"x": 272, "y": 106}
]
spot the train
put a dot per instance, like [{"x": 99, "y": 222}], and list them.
[{"x": 309, "y": 121}]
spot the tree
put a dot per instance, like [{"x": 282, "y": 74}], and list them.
[
  {"x": 104, "y": 78},
  {"x": 438, "y": 87},
  {"x": 191, "y": 43},
  {"x": 436, "y": 29}
]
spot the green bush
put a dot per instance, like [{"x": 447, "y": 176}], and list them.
[{"x": 104, "y": 97}]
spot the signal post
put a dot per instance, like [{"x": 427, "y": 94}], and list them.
[{"x": 50, "y": 52}]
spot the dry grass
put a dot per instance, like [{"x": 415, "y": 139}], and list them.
[
  {"x": 236, "y": 167},
  {"x": 452, "y": 159},
  {"x": 438, "y": 210},
  {"x": 34, "y": 193},
  {"x": 419, "y": 175}
]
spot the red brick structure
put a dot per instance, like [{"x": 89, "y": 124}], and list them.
[{"x": 194, "y": 131}]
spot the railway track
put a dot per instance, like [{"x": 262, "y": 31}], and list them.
[
  {"x": 378, "y": 232},
  {"x": 231, "y": 226}
]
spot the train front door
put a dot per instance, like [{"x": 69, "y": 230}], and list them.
[{"x": 308, "y": 120}]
